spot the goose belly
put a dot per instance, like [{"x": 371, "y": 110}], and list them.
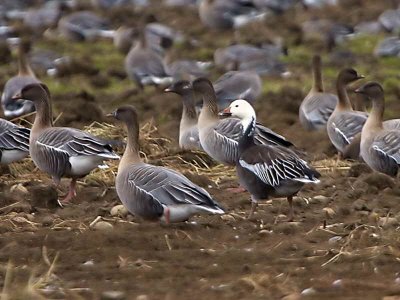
[
  {"x": 181, "y": 213},
  {"x": 82, "y": 165},
  {"x": 10, "y": 156}
]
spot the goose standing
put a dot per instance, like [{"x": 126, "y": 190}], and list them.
[
  {"x": 318, "y": 105},
  {"x": 62, "y": 151},
  {"x": 188, "y": 130},
  {"x": 380, "y": 147},
  {"x": 13, "y": 86},
  {"x": 153, "y": 192},
  {"x": 145, "y": 66},
  {"x": 14, "y": 142},
  {"x": 219, "y": 138},
  {"x": 267, "y": 170},
  {"x": 344, "y": 123}
]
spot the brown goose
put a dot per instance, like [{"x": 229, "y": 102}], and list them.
[
  {"x": 14, "y": 85},
  {"x": 153, "y": 192},
  {"x": 344, "y": 123},
  {"x": 227, "y": 14},
  {"x": 318, "y": 105},
  {"x": 145, "y": 66},
  {"x": 380, "y": 147},
  {"x": 219, "y": 138},
  {"x": 188, "y": 130},
  {"x": 14, "y": 142},
  {"x": 267, "y": 170},
  {"x": 62, "y": 151}
]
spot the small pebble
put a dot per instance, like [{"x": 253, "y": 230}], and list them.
[
  {"x": 397, "y": 280},
  {"x": 19, "y": 189},
  {"x": 320, "y": 199},
  {"x": 88, "y": 263},
  {"x": 113, "y": 295},
  {"x": 309, "y": 291},
  {"x": 264, "y": 232},
  {"x": 119, "y": 211},
  {"x": 228, "y": 218},
  {"x": 337, "y": 283},
  {"x": 47, "y": 221},
  {"x": 103, "y": 225},
  {"x": 142, "y": 297},
  {"x": 334, "y": 239},
  {"x": 387, "y": 221},
  {"x": 294, "y": 296}
]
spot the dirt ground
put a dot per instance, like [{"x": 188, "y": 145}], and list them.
[{"x": 344, "y": 243}]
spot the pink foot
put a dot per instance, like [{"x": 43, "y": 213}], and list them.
[
  {"x": 71, "y": 194},
  {"x": 236, "y": 190}
]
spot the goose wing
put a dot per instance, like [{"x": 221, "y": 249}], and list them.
[
  {"x": 387, "y": 145},
  {"x": 347, "y": 125},
  {"x": 169, "y": 187},
  {"x": 13, "y": 137},
  {"x": 274, "y": 164},
  {"x": 318, "y": 107}
]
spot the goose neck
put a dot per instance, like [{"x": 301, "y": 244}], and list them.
[
  {"x": 344, "y": 101},
  {"x": 375, "y": 119},
  {"x": 247, "y": 138},
  {"x": 317, "y": 76},
  {"x": 131, "y": 154}
]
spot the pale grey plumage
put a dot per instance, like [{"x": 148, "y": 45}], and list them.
[{"x": 14, "y": 142}]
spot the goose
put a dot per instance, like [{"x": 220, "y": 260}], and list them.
[
  {"x": 237, "y": 85},
  {"x": 154, "y": 192},
  {"x": 219, "y": 138},
  {"x": 61, "y": 151},
  {"x": 344, "y": 123},
  {"x": 227, "y": 14},
  {"x": 380, "y": 147},
  {"x": 145, "y": 66},
  {"x": 188, "y": 130},
  {"x": 14, "y": 142},
  {"x": 359, "y": 104},
  {"x": 267, "y": 170},
  {"x": 84, "y": 26},
  {"x": 318, "y": 105},
  {"x": 13, "y": 86}
]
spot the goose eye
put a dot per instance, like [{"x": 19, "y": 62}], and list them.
[{"x": 236, "y": 105}]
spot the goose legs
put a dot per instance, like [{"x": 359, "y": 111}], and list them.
[
  {"x": 291, "y": 211},
  {"x": 71, "y": 193},
  {"x": 254, "y": 205}
]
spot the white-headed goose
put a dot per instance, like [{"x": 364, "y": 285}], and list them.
[
  {"x": 267, "y": 170},
  {"x": 220, "y": 137},
  {"x": 188, "y": 130},
  {"x": 380, "y": 147},
  {"x": 61, "y": 151},
  {"x": 227, "y": 14},
  {"x": 144, "y": 65},
  {"x": 318, "y": 105},
  {"x": 153, "y": 192},
  {"x": 14, "y": 142},
  {"x": 344, "y": 123},
  {"x": 14, "y": 85}
]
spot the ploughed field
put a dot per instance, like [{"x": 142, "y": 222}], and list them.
[{"x": 344, "y": 243}]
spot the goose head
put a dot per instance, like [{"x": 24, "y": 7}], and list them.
[
  {"x": 240, "y": 109},
  {"x": 181, "y": 88},
  {"x": 35, "y": 92},
  {"x": 125, "y": 114},
  {"x": 349, "y": 75},
  {"x": 371, "y": 90}
]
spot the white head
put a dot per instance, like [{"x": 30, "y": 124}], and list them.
[{"x": 240, "y": 109}]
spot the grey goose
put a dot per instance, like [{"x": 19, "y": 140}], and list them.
[
  {"x": 267, "y": 170},
  {"x": 154, "y": 192},
  {"x": 188, "y": 130},
  {"x": 13, "y": 86},
  {"x": 14, "y": 142},
  {"x": 62, "y": 151},
  {"x": 345, "y": 123},
  {"x": 318, "y": 105},
  {"x": 380, "y": 147}
]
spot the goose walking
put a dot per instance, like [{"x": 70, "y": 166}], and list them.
[
  {"x": 380, "y": 147},
  {"x": 220, "y": 138},
  {"x": 345, "y": 123},
  {"x": 153, "y": 192},
  {"x": 318, "y": 105},
  {"x": 62, "y": 151},
  {"x": 267, "y": 170}
]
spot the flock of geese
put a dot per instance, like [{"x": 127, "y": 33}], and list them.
[{"x": 226, "y": 128}]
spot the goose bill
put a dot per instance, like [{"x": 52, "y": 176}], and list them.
[{"x": 226, "y": 112}]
